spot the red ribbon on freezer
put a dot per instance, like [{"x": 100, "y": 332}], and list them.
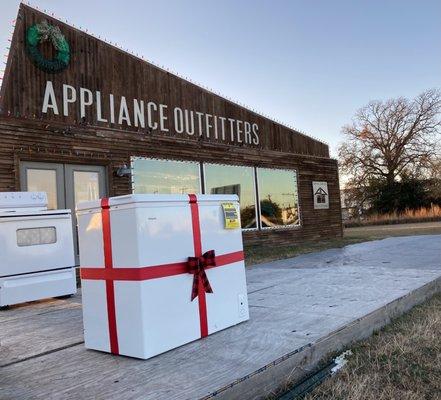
[{"x": 195, "y": 265}]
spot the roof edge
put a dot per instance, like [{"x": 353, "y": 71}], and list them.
[{"x": 162, "y": 68}]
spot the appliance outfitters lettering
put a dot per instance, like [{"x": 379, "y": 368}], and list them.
[{"x": 147, "y": 115}]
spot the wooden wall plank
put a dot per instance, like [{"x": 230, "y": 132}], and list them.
[
  {"x": 33, "y": 140},
  {"x": 29, "y": 135},
  {"x": 96, "y": 65}
]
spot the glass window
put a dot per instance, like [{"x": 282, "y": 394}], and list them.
[
  {"x": 86, "y": 186},
  {"x": 229, "y": 179},
  {"x": 165, "y": 176},
  {"x": 36, "y": 236},
  {"x": 278, "y": 197},
  {"x": 43, "y": 180}
]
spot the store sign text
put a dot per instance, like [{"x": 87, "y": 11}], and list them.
[{"x": 147, "y": 115}]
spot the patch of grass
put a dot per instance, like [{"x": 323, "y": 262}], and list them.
[
  {"x": 401, "y": 361},
  {"x": 268, "y": 252},
  {"x": 423, "y": 214},
  {"x": 382, "y": 231}
]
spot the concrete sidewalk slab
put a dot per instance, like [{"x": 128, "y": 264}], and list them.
[{"x": 301, "y": 309}]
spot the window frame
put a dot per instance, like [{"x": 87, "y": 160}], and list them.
[
  {"x": 256, "y": 208},
  {"x": 133, "y": 158},
  {"x": 296, "y": 226},
  {"x": 255, "y": 169},
  {"x": 25, "y": 165}
]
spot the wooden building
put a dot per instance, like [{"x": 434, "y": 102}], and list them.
[{"x": 80, "y": 118}]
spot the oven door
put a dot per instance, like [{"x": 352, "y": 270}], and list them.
[{"x": 35, "y": 242}]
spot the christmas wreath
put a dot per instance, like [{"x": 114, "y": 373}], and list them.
[{"x": 39, "y": 33}]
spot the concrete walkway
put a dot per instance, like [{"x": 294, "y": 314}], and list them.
[{"x": 301, "y": 309}]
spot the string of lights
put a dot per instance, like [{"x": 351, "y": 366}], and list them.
[{"x": 168, "y": 70}]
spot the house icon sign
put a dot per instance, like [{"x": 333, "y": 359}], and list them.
[{"x": 320, "y": 195}]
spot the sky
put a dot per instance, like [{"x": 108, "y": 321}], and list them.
[{"x": 309, "y": 64}]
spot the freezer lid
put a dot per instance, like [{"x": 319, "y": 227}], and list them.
[{"x": 156, "y": 198}]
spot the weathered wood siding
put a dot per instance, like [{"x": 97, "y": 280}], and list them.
[
  {"x": 96, "y": 65},
  {"x": 31, "y": 140},
  {"x": 28, "y": 135}
]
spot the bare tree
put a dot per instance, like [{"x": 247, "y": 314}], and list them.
[
  {"x": 391, "y": 139},
  {"x": 434, "y": 181}
]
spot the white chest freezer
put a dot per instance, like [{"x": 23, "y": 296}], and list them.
[
  {"x": 159, "y": 271},
  {"x": 36, "y": 247}
]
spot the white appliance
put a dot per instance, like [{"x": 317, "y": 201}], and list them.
[
  {"x": 36, "y": 247},
  {"x": 135, "y": 272}
]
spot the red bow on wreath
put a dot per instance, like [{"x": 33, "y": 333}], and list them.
[{"x": 196, "y": 266}]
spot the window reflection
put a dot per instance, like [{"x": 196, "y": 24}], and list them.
[
  {"x": 277, "y": 189},
  {"x": 43, "y": 180},
  {"x": 86, "y": 186},
  {"x": 278, "y": 197},
  {"x": 165, "y": 176},
  {"x": 229, "y": 179}
]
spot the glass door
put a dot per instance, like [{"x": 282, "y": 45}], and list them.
[
  {"x": 83, "y": 183},
  {"x": 65, "y": 184},
  {"x": 44, "y": 177}
]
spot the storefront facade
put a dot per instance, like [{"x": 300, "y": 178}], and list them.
[{"x": 96, "y": 121}]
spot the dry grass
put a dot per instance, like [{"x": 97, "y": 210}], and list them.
[
  {"x": 432, "y": 213},
  {"x": 269, "y": 252},
  {"x": 382, "y": 231},
  {"x": 402, "y": 361}
]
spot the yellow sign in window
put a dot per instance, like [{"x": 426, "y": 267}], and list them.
[{"x": 231, "y": 216}]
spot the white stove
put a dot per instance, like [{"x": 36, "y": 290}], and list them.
[{"x": 36, "y": 247}]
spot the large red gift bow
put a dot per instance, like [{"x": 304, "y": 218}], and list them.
[
  {"x": 197, "y": 267},
  {"x": 110, "y": 274}
]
